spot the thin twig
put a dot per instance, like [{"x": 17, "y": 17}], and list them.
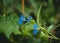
[
  {"x": 23, "y": 6},
  {"x": 56, "y": 27}
]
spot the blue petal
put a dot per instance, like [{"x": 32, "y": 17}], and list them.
[
  {"x": 35, "y": 26},
  {"x": 35, "y": 32},
  {"x": 22, "y": 19},
  {"x": 29, "y": 18},
  {"x": 20, "y": 22},
  {"x": 35, "y": 29}
]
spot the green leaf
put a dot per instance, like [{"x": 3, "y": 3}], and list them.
[
  {"x": 9, "y": 24},
  {"x": 50, "y": 28},
  {"x": 38, "y": 14},
  {"x": 6, "y": 2},
  {"x": 27, "y": 28}
]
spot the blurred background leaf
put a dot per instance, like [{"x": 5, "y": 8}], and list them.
[{"x": 9, "y": 16}]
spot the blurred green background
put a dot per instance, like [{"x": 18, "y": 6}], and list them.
[{"x": 45, "y": 13}]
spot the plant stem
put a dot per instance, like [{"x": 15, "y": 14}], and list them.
[
  {"x": 43, "y": 29},
  {"x": 38, "y": 14},
  {"x": 23, "y": 6},
  {"x": 56, "y": 27},
  {"x": 49, "y": 33}
]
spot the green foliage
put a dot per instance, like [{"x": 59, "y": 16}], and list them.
[
  {"x": 44, "y": 12},
  {"x": 8, "y": 24}
]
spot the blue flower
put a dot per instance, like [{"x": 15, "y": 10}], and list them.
[
  {"x": 35, "y": 29},
  {"x": 22, "y": 19},
  {"x": 29, "y": 18}
]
